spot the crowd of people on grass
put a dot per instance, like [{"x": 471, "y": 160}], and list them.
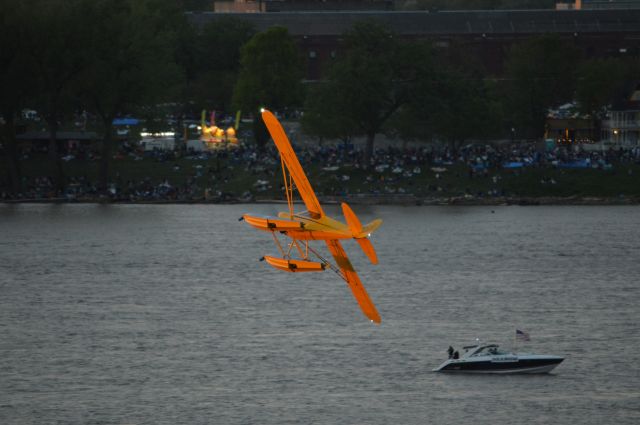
[
  {"x": 475, "y": 156},
  {"x": 81, "y": 188},
  {"x": 391, "y": 169}
]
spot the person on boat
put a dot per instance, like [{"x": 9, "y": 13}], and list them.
[
  {"x": 456, "y": 355},
  {"x": 450, "y": 351}
]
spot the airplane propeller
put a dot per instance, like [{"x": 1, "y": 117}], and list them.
[{"x": 360, "y": 234}]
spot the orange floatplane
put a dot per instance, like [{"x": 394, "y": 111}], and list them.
[{"x": 313, "y": 224}]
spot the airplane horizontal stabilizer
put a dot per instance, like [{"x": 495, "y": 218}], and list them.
[{"x": 370, "y": 228}]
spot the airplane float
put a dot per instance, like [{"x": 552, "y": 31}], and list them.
[{"x": 313, "y": 224}]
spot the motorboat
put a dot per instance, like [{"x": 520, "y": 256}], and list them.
[{"x": 489, "y": 358}]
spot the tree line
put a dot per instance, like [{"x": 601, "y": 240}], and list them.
[
  {"x": 474, "y": 4},
  {"x": 114, "y": 57}
]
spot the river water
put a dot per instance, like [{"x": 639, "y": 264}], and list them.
[{"x": 140, "y": 314}]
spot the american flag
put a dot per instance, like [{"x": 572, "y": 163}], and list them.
[{"x": 522, "y": 336}]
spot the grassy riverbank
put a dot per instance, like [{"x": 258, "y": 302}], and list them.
[{"x": 221, "y": 176}]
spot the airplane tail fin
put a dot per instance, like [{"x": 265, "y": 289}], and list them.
[{"x": 361, "y": 234}]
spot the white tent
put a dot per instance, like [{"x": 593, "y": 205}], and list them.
[{"x": 160, "y": 143}]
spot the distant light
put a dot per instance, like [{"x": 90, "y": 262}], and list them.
[
  {"x": 262, "y": 110},
  {"x": 615, "y": 131}
]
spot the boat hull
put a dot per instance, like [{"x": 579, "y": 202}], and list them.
[{"x": 521, "y": 366}]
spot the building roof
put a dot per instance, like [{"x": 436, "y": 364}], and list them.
[{"x": 425, "y": 23}]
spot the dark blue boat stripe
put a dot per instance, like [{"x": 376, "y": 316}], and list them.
[{"x": 489, "y": 365}]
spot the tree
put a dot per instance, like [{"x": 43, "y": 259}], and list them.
[
  {"x": 321, "y": 117},
  {"x": 455, "y": 108},
  {"x": 542, "y": 74},
  {"x": 218, "y": 47},
  {"x": 372, "y": 82},
  {"x": 270, "y": 76},
  {"x": 57, "y": 42},
  {"x": 599, "y": 81},
  {"x": 15, "y": 82},
  {"x": 132, "y": 62},
  {"x": 479, "y": 4},
  {"x": 200, "y": 5}
]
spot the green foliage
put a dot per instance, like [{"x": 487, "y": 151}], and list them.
[
  {"x": 466, "y": 110},
  {"x": 197, "y": 5},
  {"x": 270, "y": 76},
  {"x": 370, "y": 79},
  {"x": 542, "y": 74},
  {"x": 386, "y": 85},
  {"x": 131, "y": 61},
  {"x": 451, "y": 106},
  {"x": 478, "y": 4},
  {"x": 57, "y": 40},
  {"x": 599, "y": 81},
  {"x": 368, "y": 87},
  {"x": 16, "y": 70},
  {"x": 16, "y": 83},
  {"x": 322, "y": 118},
  {"x": 270, "y": 72},
  {"x": 216, "y": 62}
]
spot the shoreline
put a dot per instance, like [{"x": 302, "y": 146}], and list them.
[{"x": 399, "y": 200}]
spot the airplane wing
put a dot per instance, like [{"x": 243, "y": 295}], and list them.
[
  {"x": 350, "y": 275},
  {"x": 293, "y": 165}
]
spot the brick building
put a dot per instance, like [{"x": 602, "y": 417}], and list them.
[{"x": 486, "y": 36}]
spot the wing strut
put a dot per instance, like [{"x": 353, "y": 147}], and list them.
[
  {"x": 326, "y": 262},
  {"x": 288, "y": 186}
]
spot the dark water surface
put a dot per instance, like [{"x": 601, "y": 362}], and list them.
[{"x": 134, "y": 314}]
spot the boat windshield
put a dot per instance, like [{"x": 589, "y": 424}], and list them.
[{"x": 489, "y": 350}]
